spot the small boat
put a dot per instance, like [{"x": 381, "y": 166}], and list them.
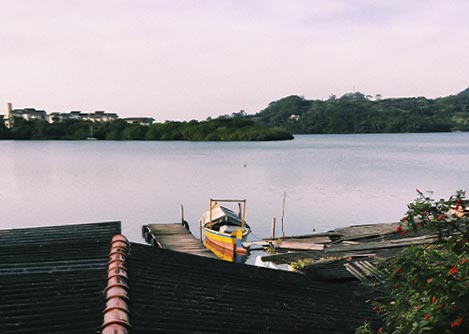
[
  {"x": 91, "y": 134},
  {"x": 224, "y": 230}
]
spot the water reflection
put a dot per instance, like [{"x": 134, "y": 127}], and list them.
[{"x": 330, "y": 180}]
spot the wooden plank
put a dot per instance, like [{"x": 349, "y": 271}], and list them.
[
  {"x": 355, "y": 232},
  {"x": 317, "y": 237},
  {"x": 348, "y": 249},
  {"x": 175, "y": 237},
  {"x": 296, "y": 245},
  {"x": 374, "y": 245}
]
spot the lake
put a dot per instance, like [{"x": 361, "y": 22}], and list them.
[{"x": 330, "y": 180}]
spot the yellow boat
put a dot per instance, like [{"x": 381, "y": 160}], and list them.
[{"x": 224, "y": 230}]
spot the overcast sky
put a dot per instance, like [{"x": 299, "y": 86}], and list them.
[{"x": 182, "y": 60}]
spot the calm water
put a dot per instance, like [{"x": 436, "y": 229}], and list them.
[{"x": 329, "y": 180}]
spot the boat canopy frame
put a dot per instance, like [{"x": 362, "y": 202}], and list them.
[{"x": 241, "y": 202}]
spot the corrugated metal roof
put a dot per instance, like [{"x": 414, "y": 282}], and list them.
[
  {"x": 52, "y": 278},
  {"x": 179, "y": 293},
  {"x": 61, "y": 280}
]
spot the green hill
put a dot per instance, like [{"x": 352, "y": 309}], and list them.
[{"x": 357, "y": 113}]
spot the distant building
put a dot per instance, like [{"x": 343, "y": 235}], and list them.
[
  {"x": 28, "y": 114},
  {"x": 140, "y": 120},
  {"x": 75, "y": 114},
  {"x": 8, "y": 119},
  {"x": 96, "y": 117},
  {"x": 56, "y": 117},
  {"x": 99, "y": 116},
  {"x": 294, "y": 117}
]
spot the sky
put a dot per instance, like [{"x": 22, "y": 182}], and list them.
[{"x": 183, "y": 60}]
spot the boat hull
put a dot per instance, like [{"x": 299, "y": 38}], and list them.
[
  {"x": 221, "y": 252},
  {"x": 223, "y": 231},
  {"x": 222, "y": 241}
]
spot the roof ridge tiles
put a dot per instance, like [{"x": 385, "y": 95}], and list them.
[{"x": 116, "y": 312}]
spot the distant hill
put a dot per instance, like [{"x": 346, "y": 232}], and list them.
[
  {"x": 358, "y": 113},
  {"x": 464, "y": 92}
]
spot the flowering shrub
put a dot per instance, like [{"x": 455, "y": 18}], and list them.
[{"x": 428, "y": 286}]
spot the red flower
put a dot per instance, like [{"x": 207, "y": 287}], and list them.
[
  {"x": 463, "y": 260},
  {"x": 380, "y": 330},
  {"x": 456, "y": 323},
  {"x": 441, "y": 216},
  {"x": 441, "y": 306},
  {"x": 397, "y": 285},
  {"x": 429, "y": 280},
  {"x": 403, "y": 233},
  {"x": 433, "y": 300},
  {"x": 399, "y": 227},
  {"x": 427, "y": 317},
  {"x": 398, "y": 271},
  {"x": 453, "y": 270},
  {"x": 453, "y": 306}
]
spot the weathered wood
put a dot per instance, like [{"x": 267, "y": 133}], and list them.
[
  {"x": 306, "y": 236},
  {"x": 175, "y": 237},
  {"x": 296, "y": 245},
  {"x": 355, "y": 232},
  {"x": 262, "y": 243},
  {"x": 335, "y": 250},
  {"x": 375, "y": 245}
]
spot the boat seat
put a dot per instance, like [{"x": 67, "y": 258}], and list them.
[{"x": 229, "y": 228}]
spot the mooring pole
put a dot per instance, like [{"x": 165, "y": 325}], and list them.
[
  {"x": 283, "y": 211},
  {"x": 273, "y": 228},
  {"x": 200, "y": 232},
  {"x": 182, "y": 214}
]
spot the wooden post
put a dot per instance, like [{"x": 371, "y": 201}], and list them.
[
  {"x": 243, "y": 219},
  {"x": 182, "y": 214},
  {"x": 273, "y": 228},
  {"x": 283, "y": 211},
  {"x": 200, "y": 232},
  {"x": 210, "y": 214}
]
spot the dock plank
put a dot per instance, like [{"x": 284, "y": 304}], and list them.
[{"x": 175, "y": 237}]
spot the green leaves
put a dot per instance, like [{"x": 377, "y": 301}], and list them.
[
  {"x": 221, "y": 129},
  {"x": 428, "y": 286},
  {"x": 356, "y": 113}
]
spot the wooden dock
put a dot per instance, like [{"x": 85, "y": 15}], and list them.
[{"x": 176, "y": 237}]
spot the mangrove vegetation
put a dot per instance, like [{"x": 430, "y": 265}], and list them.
[{"x": 220, "y": 129}]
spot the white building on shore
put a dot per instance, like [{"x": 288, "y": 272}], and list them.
[{"x": 99, "y": 116}]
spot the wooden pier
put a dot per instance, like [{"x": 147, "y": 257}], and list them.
[{"x": 176, "y": 237}]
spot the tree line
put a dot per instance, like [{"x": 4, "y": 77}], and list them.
[
  {"x": 357, "y": 113},
  {"x": 350, "y": 113},
  {"x": 220, "y": 129}
]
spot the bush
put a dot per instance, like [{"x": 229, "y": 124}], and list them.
[{"x": 428, "y": 286}]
